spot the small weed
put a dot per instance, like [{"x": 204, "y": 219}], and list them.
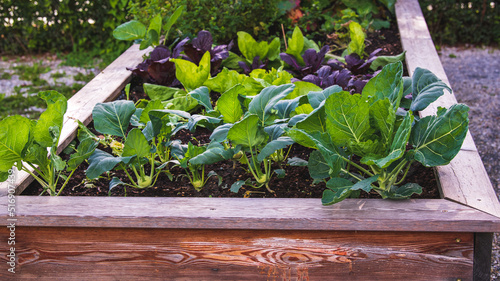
[
  {"x": 453, "y": 56},
  {"x": 6, "y": 76},
  {"x": 84, "y": 77},
  {"x": 29, "y": 73},
  {"x": 56, "y": 75}
]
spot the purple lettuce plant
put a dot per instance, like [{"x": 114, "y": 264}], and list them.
[
  {"x": 201, "y": 44},
  {"x": 158, "y": 69},
  {"x": 313, "y": 61},
  {"x": 256, "y": 64},
  {"x": 352, "y": 75}
]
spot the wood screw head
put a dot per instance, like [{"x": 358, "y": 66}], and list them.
[{"x": 458, "y": 241}]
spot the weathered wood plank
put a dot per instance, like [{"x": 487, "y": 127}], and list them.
[
  {"x": 105, "y": 86},
  {"x": 115, "y": 254},
  {"x": 251, "y": 213},
  {"x": 465, "y": 179}
]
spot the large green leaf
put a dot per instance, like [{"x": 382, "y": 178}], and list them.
[
  {"x": 314, "y": 122},
  {"x": 215, "y": 152},
  {"x": 100, "y": 162},
  {"x": 402, "y": 192},
  {"x": 202, "y": 95},
  {"x": 397, "y": 148},
  {"x": 264, "y": 102},
  {"x": 190, "y": 75},
  {"x": 173, "y": 18},
  {"x": 303, "y": 88},
  {"x": 131, "y": 30},
  {"x": 347, "y": 118},
  {"x": 426, "y": 88},
  {"x": 14, "y": 136},
  {"x": 275, "y": 131},
  {"x": 382, "y": 118},
  {"x": 365, "y": 184},
  {"x": 323, "y": 143},
  {"x": 296, "y": 44},
  {"x": 220, "y": 133},
  {"x": 337, "y": 190},
  {"x": 274, "y": 145},
  {"x": 285, "y": 107},
  {"x": 83, "y": 152},
  {"x": 159, "y": 92},
  {"x": 273, "y": 51},
  {"x": 152, "y": 105},
  {"x": 437, "y": 139},
  {"x": 385, "y": 60},
  {"x": 357, "y": 35},
  {"x": 225, "y": 80},
  {"x": 229, "y": 105},
  {"x": 250, "y": 48},
  {"x": 247, "y": 133},
  {"x": 37, "y": 154},
  {"x": 387, "y": 84},
  {"x": 113, "y": 118},
  {"x": 317, "y": 166},
  {"x": 52, "y": 116},
  {"x": 316, "y": 98},
  {"x": 136, "y": 144}
]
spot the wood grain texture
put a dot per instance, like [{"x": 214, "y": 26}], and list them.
[
  {"x": 251, "y": 213},
  {"x": 128, "y": 254},
  {"x": 106, "y": 86},
  {"x": 465, "y": 179}
]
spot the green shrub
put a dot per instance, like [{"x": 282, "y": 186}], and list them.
[
  {"x": 223, "y": 19},
  {"x": 60, "y": 26},
  {"x": 472, "y": 21}
]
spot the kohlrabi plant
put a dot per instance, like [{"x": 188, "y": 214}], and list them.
[
  {"x": 193, "y": 159},
  {"x": 143, "y": 145},
  {"x": 25, "y": 144},
  {"x": 386, "y": 138},
  {"x": 257, "y": 135}
]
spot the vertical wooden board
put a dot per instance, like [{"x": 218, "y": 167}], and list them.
[
  {"x": 119, "y": 254},
  {"x": 465, "y": 179},
  {"x": 104, "y": 87}
]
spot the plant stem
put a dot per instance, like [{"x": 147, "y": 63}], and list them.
[
  {"x": 129, "y": 176},
  {"x": 404, "y": 175},
  {"x": 66, "y": 182},
  {"x": 358, "y": 166}
]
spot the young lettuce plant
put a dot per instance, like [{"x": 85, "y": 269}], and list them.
[
  {"x": 24, "y": 144},
  {"x": 372, "y": 126}
]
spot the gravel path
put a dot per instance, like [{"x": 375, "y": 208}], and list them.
[
  {"x": 67, "y": 73},
  {"x": 474, "y": 76}
]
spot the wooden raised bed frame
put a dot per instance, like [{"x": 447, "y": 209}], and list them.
[{"x": 260, "y": 239}]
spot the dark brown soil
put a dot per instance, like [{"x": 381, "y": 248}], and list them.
[{"x": 296, "y": 184}]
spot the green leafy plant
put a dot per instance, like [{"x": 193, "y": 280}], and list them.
[
  {"x": 193, "y": 159},
  {"x": 24, "y": 144},
  {"x": 142, "y": 145},
  {"x": 373, "y": 127},
  {"x": 135, "y": 30}
]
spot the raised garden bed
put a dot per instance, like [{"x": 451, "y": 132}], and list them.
[{"x": 259, "y": 239}]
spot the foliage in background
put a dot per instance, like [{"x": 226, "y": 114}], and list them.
[
  {"x": 222, "y": 18},
  {"x": 30, "y": 27},
  {"x": 472, "y": 21}
]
